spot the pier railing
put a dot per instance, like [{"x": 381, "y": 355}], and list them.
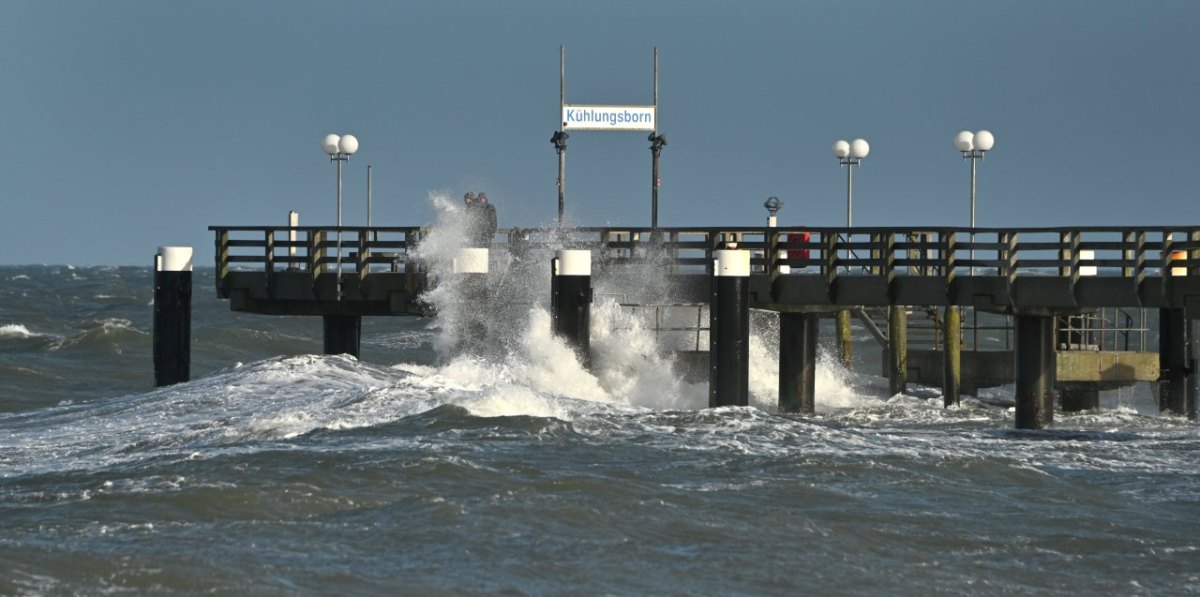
[{"x": 878, "y": 257}]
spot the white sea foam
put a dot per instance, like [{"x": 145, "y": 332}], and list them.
[{"x": 16, "y": 330}]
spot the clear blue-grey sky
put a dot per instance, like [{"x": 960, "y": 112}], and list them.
[{"x": 133, "y": 124}]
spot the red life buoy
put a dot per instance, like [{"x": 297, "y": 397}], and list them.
[{"x": 796, "y": 239}]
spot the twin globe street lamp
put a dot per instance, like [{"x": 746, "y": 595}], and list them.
[
  {"x": 339, "y": 148},
  {"x": 850, "y": 154},
  {"x": 973, "y": 147}
]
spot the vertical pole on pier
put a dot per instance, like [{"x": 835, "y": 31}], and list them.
[
  {"x": 844, "y": 347},
  {"x": 729, "y": 330},
  {"x": 342, "y": 334},
  {"x": 952, "y": 356},
  {"x": 655, "y": 150},
  {"x": 369, "y": 195},
  {"x": 560, "y": 139},
  {"x": 897, "y": 349},
  {"x": 471, "y": 267},
  {"x": 172, "y": 315},
  {"x": 798, "y": 362},
  {"x": 571, "y": 300},
  {"x": 1035, "y": 364},
  {"x": 1176, "y": 392}
]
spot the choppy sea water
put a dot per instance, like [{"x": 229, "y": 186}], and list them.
[{"x": 280, "y": 471}]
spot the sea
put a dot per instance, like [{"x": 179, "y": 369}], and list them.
[{"x": 425, "y": 469}]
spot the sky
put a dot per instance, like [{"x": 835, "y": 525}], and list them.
[{"x": 135, "y": 124}]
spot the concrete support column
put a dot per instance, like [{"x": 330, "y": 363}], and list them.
[
  {"x": 845, "y": 349},
  {"x": 1035, "y": 364},
  {"x": 571, "y": 300},
  {"x": 342, "y": 334},
  {"x": 1177, "y": 387},
  {"x": 172, "y": 315},
  {"x": 798, "y": 362},
  {"x": 897, "y": 349},
  {"x": 729, "y": 330},
  {"x": 952, "y": 356}
]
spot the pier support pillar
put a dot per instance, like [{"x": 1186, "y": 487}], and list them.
[
  {"x": 897, "y": 349},
  {"x": 172, "y": 315},
  {"x": 729, "y": 330},
  {"x": 1080, "y": 396},
  {"x": 571, "y": 300},
  {"x": 470, "y": 268},
  {"x": 798, "y": 362},
  {"x": 845, "y": 349},
  {"x": 952, "y": 356},
  {"x": 1035, "y": 364},
  {"x": 1177, "y": 360},
  {"x": 342, "y": 334}
]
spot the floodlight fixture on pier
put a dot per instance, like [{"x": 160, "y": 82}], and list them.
[
  {"x": 339, "y": 148},
  {"x": 850, "y": 154},
  {"x": 773, "y": 205}
]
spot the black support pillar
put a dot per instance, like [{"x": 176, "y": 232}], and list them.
[
  {"x": 571, "y": 300},
  {"x": 1177, "y": 361},
  {"x": 1035, "y": 370},
  {"x": 342, "y": 334},
  {"x": 897, "y": 349},
  {"x": 798, "y": 362},
  {"x": 952, "y": 357},
  {"x": 729, "y": 330},
  {"x": 172, "y": 315}
]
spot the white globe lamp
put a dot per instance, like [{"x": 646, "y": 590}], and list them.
[
  {"x": 859, "y": 148},
  {"x": 964, "y": 141},
  {"x": 330, "y": 144},
  {"x": 841, "y": 149},
  {"x": 984, "y": 140}
]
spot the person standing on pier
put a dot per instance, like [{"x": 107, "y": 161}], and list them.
[
  {"x": 487, "y": 230},
  {"x": 479, "y": 220}
]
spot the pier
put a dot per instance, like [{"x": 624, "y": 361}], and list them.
[{"x": 1039, "y": 278}]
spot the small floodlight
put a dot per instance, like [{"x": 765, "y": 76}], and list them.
[
  {"x": 964, "y": 141},
  {"x": 348, "y": 144},
  {"x": 841, "y": 149},
  {"x": 330, "y": 144},
  {"x": 773, "y": 205},
  {"x": 859, "y": 148}
]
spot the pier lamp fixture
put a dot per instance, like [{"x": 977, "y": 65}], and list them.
[
  {"x": 559, "y": 139},
  {"x": 339, "y": 148},
  {"x": 850, "y": 154},
  {"x": 773, "y": 205},
  {"x": 973, "y": 147},
  {"x": 657, "y": 142}
]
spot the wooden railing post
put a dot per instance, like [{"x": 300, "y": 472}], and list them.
[
  {"x": 363, "y": 263},
  {"x": 222, "y": 253},
  {"x": 316, "y": 253}
]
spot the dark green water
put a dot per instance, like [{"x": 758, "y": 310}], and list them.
[{"x": 276, "y": 471}]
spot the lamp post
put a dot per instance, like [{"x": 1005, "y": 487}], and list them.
[
  {"x": 973, "y": 147},
  {"x": 850, "y": 154},
  {"x": 339, "y": 149}
]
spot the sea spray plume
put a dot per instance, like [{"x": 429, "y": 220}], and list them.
[
  {"x": 835, "y": 387},
  {"x": 437, "y": 251},
  {"x": 629, "y": 362}
]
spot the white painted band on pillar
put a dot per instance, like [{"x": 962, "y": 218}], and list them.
[
  {"x": 471, "y": 260},
  {"x": 573, "y": 263},
  {"x": 732, "y": 264},
  {"x": 174, "y": 259}
]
